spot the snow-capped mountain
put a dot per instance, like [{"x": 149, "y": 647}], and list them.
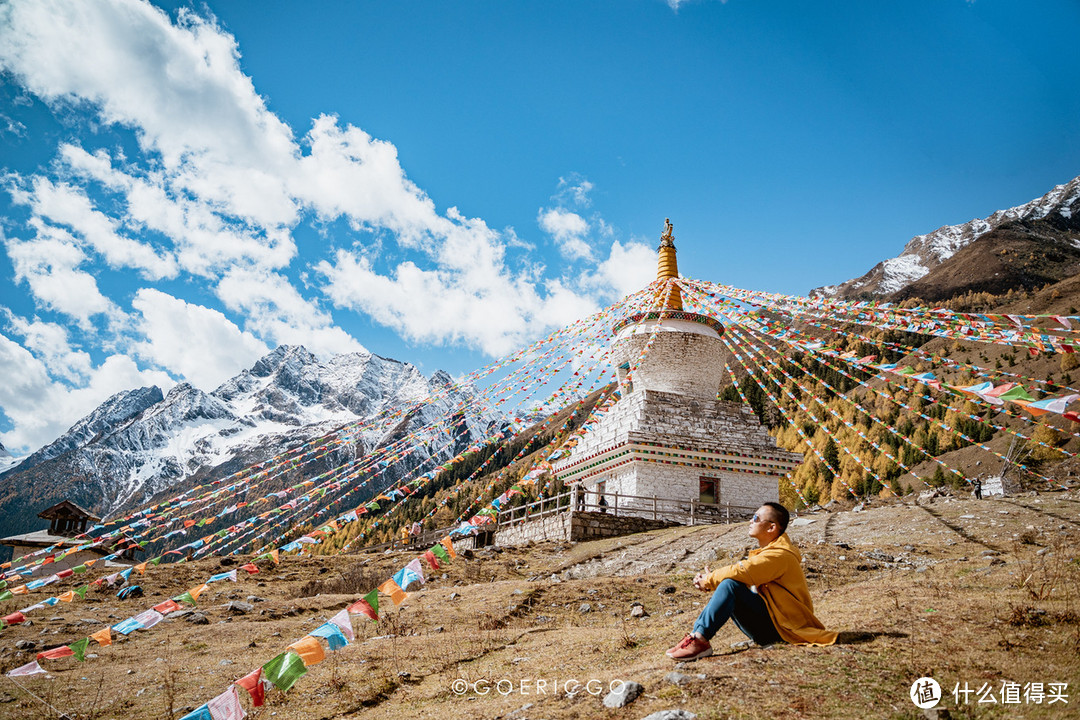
[
  {"x": 140, "y": 443},
  {"x": 6, "y": 459},
  {"x": 923, "y": 253}
]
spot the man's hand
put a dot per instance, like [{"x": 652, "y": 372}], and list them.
[{"x": 699, "y": 579}]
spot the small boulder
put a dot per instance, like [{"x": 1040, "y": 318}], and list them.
[
  {"x": 239, "y": 608},
  {"x": 678, "y": 714},
  {"x": 624, "y": 695},
  {"x": 585, "y": 608},
  {"x": 197, "y": 618},
  {"x": 676, "y": 678}
]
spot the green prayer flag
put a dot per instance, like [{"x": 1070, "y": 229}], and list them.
[
  {"x": 284, "y": 670},
  {"x": 185, "y": 597},
  {"x": 81, "y": 592},
  {"x": 222, "y": 533},
  {"x": 144, "y": 543},
  {"x": 203, "y": 522},
  {"x": 372, "y": 599},
  {"x": 440, "y": 552},
  {"x": 79, "y": 569},
  {"x": 156, "y": 560},
  {"x": 181, "y": 560},
  {"x": 1017, "y": 393},
  {"x": 79, "y": 648},
  {"x": 3, "y": 584},
  {"x": 6, "y": 595}
]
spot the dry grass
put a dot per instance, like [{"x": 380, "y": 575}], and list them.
[{"x": 907, "y": 585}]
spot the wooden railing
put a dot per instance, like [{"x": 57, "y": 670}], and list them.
[{"x": 686, "y": 512}]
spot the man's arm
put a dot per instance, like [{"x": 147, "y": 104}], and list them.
[{"x": 758, "y": 569}]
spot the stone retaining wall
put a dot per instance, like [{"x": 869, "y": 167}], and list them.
[{"x": 575, "y": 527}]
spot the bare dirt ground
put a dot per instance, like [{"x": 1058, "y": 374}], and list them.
[{"x": 985, "y": 593}]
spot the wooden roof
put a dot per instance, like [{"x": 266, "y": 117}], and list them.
[{"x": 66, "y": 509}]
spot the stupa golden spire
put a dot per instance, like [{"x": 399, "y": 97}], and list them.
[{"x": 667, "y": 267}]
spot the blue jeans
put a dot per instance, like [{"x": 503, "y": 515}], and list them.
[{"x": 732, "y": 599}]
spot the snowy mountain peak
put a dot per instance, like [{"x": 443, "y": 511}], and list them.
[
  {"x": 925, "y": 252},
  {"x": 6, "y": 459},
  {"x": 140, "y": 443},
  {"x": 118, "y": 409}
]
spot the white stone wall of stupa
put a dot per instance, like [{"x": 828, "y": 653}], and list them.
[
  {"x": 687, "y": 363},
  {"x": 674, "y": 420}
]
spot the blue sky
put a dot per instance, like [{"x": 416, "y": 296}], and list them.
[{"x": 186, "y": 186}]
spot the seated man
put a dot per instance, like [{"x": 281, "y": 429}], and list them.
[{"x": 765, "y": 594}]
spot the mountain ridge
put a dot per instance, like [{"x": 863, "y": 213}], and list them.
[
  {"x": 141, "y": 444},
  {"x": 924, "y": 253}
]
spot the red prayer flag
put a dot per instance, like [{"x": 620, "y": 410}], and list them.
[
  {"x": 167, "y": 607},
  {"x": 431, "y": 559},
  {"x": 55, "y": 653},
  {"x": 252, "y": 568},
  {"x": 252, "y": 682},
  {"x": 361, "y": 607}
]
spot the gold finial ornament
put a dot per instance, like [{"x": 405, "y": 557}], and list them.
[{"x": 667, "y": 266}]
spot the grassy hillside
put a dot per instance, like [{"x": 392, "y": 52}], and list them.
[{"x": 960, "y": 590}]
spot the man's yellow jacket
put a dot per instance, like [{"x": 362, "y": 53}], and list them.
[{"x": 776, "y": 570}]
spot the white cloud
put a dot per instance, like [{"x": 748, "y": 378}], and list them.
[
  {"x": 628, "y": 268},
  {"x": 352, "y": 174},
  {"x": 216, "y": 190},
  {"x": 28, "y": 388},
  {"x": 179, "y": 86},
  {"x": 48, "y": 263},
  {"x": 276, "y": 311},
  {"x": 574, "y": 189},
  {"x": 195, "y": 343},
  {"x": 489, "y": 309},
  {"x": 569, "y": 230},
  {"x": 50, "y": 342},
  {"x": 62, "y": 204}
]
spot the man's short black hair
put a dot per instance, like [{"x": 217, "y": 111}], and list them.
[{"x": 780, "y": 515}]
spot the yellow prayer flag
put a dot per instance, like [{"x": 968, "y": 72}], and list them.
[
  {"x": 103, "y": 637},
  {"x": 141, "y": 567},
  {"x": 395, "y": 592},
  {"x": 196, "y": 592},
  {"x": 274, "y": 556},
  {"x": 21, "y": 590},
  {"x": 66, "y": 597},
  {"x": 449, "y": 545},
  {"x": 309, "y": 650}
]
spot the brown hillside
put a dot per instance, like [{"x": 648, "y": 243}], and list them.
[
  {"x": 1018, "y": 255},
  {"x": 960, "y": 590}
]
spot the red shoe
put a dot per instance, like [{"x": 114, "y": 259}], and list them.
[{"x": 691, "y": 648}]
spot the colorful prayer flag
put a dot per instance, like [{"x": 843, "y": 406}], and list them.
[
  {"x": 367, "y": 605},
  {"x": 226, "y": 706},
  {"x": 284, "y": 670},
  {"x": 394, "y": 590},
  {"x": 449, "y": 545},
  {"x": 30, "y": 668},
  {"x": 309, "y": 650},
  {"x": 253, "y": 683},
  {"x": 200, "y": 713},
  {"x": 79, "y": 648},
  {"x": 56, "y": 653},
  {"x": 102, "y": 637},
  {"x": 344, "y": 623}
]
